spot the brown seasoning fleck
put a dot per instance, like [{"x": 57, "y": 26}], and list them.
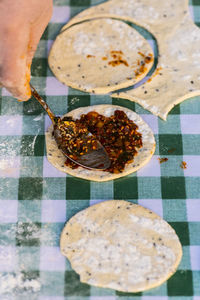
[
  {"x": 183, "y": 165},
  {"x": 89, "y": 56},
  {"x": 162, "y": 160}
]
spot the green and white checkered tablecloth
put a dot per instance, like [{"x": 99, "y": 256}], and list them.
[{"x": 36, "y": 199}]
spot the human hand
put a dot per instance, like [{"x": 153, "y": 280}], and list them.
[{"x": 22, "y": 23}]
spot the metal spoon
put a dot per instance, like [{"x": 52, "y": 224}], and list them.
[{"x": 93, "y": 159}]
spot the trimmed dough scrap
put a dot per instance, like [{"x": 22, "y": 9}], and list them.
[
  {"x": 120, "y": 245},
  {"x": 57, "y": 159},
  {"x": 177, "y": 75},
  {"x": 100, "y": 56}
]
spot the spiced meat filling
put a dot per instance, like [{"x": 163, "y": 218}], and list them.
[{"x": 118, "y": 134}]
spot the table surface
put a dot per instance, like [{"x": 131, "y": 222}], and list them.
[{"x": 36, "y": 199}]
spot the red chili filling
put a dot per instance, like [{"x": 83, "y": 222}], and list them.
[{"x": 117, "y": 134}]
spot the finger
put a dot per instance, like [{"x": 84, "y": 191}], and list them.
[{"x": 14, "y": 72}]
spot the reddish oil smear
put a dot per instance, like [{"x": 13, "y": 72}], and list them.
[
  {"x": 117, "y": 58},
  {"x": 157, "y": 72},
  {"x": 118, "y": 62},
  {"x": 116, "y": 52},
  {"x": 142, "y": 54},
  {"x": 171, "y": 150},
  {"x": 89, "y": 56},
  {"x": 141, "y": 65},
  {"x": 147, "y": 58}
]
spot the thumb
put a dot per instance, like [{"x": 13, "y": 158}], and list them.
[{"x": 14, "y": 72}]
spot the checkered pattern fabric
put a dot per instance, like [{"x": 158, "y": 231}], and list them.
[{"x": 36, "y": 199}]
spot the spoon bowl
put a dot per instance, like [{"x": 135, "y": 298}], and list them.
[{"x": 66, "y": 136}]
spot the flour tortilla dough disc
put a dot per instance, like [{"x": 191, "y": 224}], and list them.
[
  {"x": 178, "y": 71},
  {"x": 57, "y": 159},
  {"x": 85, "y": 56},
  {"x": 122, "y": 246}
]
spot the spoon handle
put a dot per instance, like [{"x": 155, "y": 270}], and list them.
[{"x": 44, "y": 104}]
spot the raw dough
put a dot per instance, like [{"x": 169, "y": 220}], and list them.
[
  {"x": 145, "y": 153},
  {"x": 177, "y": 75},
  {"x": 120, "y": 245},
  {"x": 178, "y": 71},
  {"x": 100, "y": 56},
  {"x": 159, "y": 17}
]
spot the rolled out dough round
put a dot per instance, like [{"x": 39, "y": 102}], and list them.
[
  {"x": 100, "y": 56},
  {"x": 120, "y": 245}
]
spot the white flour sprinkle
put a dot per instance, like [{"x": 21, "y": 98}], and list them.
[
  {"x": 13, "y": 261},
  {"x": 74, "y": 100},
  {"x": 13, "y": 284},
  {"x": 38, "y": 118}
]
